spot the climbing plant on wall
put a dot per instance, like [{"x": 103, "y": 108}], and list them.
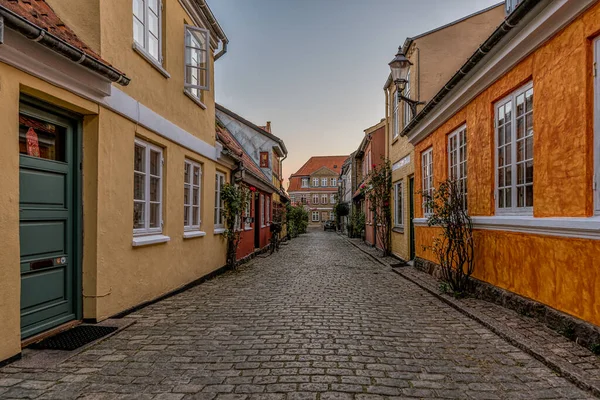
[{"x": 235, "y": 198}]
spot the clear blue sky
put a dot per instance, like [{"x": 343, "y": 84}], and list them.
[{"x": 316, "y": 68}]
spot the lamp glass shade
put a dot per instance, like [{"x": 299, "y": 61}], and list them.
[{"x": 399, "y": 66}]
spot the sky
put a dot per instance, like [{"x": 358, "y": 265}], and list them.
[{"x": 316, "y": 68}]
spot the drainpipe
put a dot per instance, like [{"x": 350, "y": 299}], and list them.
[
  {"x": 47, "y": 39},
  {"x": 222, "y": 52},
  {"x": 215, "y": 25},
  {"x": 1, "y": 29}
]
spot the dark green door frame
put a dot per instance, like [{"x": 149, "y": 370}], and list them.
[{"x": 35, "y": 108}]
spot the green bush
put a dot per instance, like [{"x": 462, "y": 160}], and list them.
[{"x": 297, "y": 219}]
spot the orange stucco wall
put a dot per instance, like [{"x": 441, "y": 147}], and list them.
[{"x": 560, "y": 272}]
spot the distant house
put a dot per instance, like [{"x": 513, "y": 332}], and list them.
[{"x": 315, "y": 185}]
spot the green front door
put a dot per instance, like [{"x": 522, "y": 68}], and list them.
[{"x": 48, "y": 220}]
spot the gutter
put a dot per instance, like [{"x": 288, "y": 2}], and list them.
[
  {"x": 59, "y": 46},
  {"x": 509, "y": 23},
  {"x": 215, "y": 25}
]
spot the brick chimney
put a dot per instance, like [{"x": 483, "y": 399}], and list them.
[{"x": 268, "y": 127}]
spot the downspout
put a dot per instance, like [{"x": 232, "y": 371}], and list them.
[
  {"x": 47, "y": 39},
  {"x": 215, "y": 25},
  {"x": 222, "y": 52}
]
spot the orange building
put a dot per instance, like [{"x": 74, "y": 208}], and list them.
[{"x": 520, "y": 122}]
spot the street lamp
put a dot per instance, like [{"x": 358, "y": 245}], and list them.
[{"x": 400, "y": 66}]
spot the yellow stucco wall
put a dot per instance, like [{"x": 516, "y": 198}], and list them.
[{"x": 553, "y": 270}]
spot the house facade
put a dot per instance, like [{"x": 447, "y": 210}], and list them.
[
  {"x": 315, "y": 185},
  {"x": 110, "y": 165},
  {"x": 527, "y": 152},
  {"x": 435, "y": 56},
  {"x": 346, "y": 184}
]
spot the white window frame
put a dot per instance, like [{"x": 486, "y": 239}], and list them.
[
  {"x": 399, "y": 204},
  {"x": 407, "y": 111},
  {"x": 219, "y": 219},
  {"x": 315, "y": 182},
  {"x": 247, "y": 214},
  {"x": 457, "y": 160},
  {"x": 324, "y": 182},
  {"x": 333, "y": 181},
  {"x": 189, "y": 187},
  {"x": 315, "y": 213},
  {"x": 332, "y": 215},
  {"x": 305, "y": 182},
  {"x": 324, "y": 199},
  {"x": 512, "y": 100},
  {"x": 268, "y": 210},
  {"x": 192, "y": 89},
  {"x": 303, "y": 199},
  {"x": 148, "y": 149},
  {"x": 144, "y": 48},
  {"x": 262, "y": 210},
  {"x": 332, "y": 198},
  {"x": 427, "y": 178},
  {"x": 596, "y": 185},
  {"x": 315, "y": 199},
  {"x": 395, "y": 115}
]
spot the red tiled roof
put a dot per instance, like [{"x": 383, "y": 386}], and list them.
[
  {"x": 232, "y": 145},
  {"x": 39, "y": 13},
  {"x": 334, "y": 163}
]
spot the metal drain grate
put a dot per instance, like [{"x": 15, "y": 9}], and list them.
[{"x": 74, "y": 338}]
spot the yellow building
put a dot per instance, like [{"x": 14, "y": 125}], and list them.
[
  {"x": 109, "y": 179},
  {"x": 435, "y": 56}
]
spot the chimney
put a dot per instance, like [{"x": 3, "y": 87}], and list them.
[{"x": 268, "y": 127}]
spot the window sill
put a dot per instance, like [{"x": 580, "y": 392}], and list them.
[
  {"x": 219, "y": 231},
  {"x": 248, "y": 229},
  {"x": 194, "y": 99},
  {"x": 148, "y": 240},
  {"x": 398, "y": 229},
  {"x": 193, "y": 234},
  {"x": 150, "y": 60}
]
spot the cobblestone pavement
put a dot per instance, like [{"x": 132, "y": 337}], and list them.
[{"x": 318, "y": 320}]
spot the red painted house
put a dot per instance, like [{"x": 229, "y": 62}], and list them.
[{"x": 256, "y": 229}]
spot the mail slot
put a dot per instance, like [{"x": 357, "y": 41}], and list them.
[{"x": 49, "y": 262}]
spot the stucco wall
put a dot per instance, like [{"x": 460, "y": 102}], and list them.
[{"x": 556, "y": 271}]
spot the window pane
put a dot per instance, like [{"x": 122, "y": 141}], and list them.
[
  {"x": 186, "y": 213},
  {"x": 195, "y": 215},
  {"x": 520, "y": 196},
  {"x": 154, "y": 215},
  {"x": 138, "y": 215},
  {"x": 197, "y": 176},
  {"x": 38, "y": 138},
  {"x": 529, "y": 172},
  {"x": 520, "y": 174},
  {"x": 139, "y": 188},
  {"x": 508, "y": 154},
  {"x": 501, "y": 136},
  {"x": 138, "y": 31},
  {"x": 154, "y": 162},
  {"x": 529, "y": 148},
  {"x": 139, "y": 159},
  {"x": 153, "y": 5},
  {"x": 520, "y": 150},
  {"x": 138, "y": 9},
  {"x": 520, "y": 104},
  {"x": 186, "y": 194},
  {"x": 153, "y": 24},
  {"x": 507, "y": 112},
  {"x": 153, "y": 46},
  {"x": 196, "y": 76},
  {"x": 529, "y": 196},
  {"x": 186, "y": 173},
  {"x": 501, "y": 198},
  {"x": 508, "y": 199},
  {"x": 501, "y": 177},
  {"x": 196, "y": 197},
  {"x": 507, "y": 132},
  {"x": 520, "y": 128},
  {"x": 508, "y": 175},
  {"x": 154, "y": 189},
  {"x": 529, "y": 100},
  {"x": 500, "y": 115}
]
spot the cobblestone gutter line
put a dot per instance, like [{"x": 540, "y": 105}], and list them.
[{"x": 577, "y": 375}]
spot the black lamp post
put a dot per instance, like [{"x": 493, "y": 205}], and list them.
[{"x": 400, "y": 66}]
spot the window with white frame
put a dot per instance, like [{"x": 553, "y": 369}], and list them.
[
  {"x": 457, "y": 161},
  {"x": 303, "y": 199},
  {"x": 597, "y": 125},
  {"x": 332, "y": 198},
  {"x": 323, "y": 181},
  {"x": 219, "y": 204},
  {"x": 304, "y": 182},
  {"x": 192, "y": 178},
  {"x": 427, "y": 177},
  {"x": 315, "y": 216},
  {"x": 323, "y": 199},
  {"x": 147, "y": 188},
  {"x": 315, "y": 182},
  {"x": 407, "y": 111},
  {"x": 333, "y": 181},
  {"x": 147, "y": 28},
  {"x": 395, "y": 116},
  {"x": 247, "y": 214},
  {"x": 268, "y": 209},
  {"x": 399, "y": 204},
  {"x": 293, "y": 199},
  {"x": 514, "y": 156},
  {"x": 197, "y": 43},
  {"x": 262, "y": 211},
  {"x": 315, "y": 199}
]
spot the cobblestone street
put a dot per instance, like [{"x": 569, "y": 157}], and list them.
[{"x": 318, "y": 320}]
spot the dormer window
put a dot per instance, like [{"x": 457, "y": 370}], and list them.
[
  {"x": 511, "y": 5},
  {"x": 304, "y": 182},
  {"x": 196, "y": 60},
  {"x": 264, "y": 159}
]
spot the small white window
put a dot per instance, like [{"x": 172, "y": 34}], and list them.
[
  {"x": 323, "y": 199},
  {"x": 247, "y": 214},
  {"x": 262, "y": 211},
  {"x": 197, "y": 76},
  {"x": 304, "y": 182},
  {"x": 332, "y": 198},
  {"x": 333, "y": 181},
  {"x": 147, "y": 188},
  {"x": 514, "y": 155},
  {"x": 398, "y": 205},
  {"x": 457, "y": 161},
  {"x": 427, "y": 176},
  {"x": 407, "y": 111},
  {"x": 315, "y": 216},
  {"x": 191, "y": 195},
  {"x": 315, "y": 199},
  {"x": 268, "y": 209},
  {"x": 147, "y": 28},
  {"x": 395, "y": 116},
  {"x": 315, "y": 182},
  {"x": 219, "y": 204},
  {"x": 323, "y": 181}
]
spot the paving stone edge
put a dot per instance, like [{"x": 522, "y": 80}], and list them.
[{"x": 569, "y": 371}]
